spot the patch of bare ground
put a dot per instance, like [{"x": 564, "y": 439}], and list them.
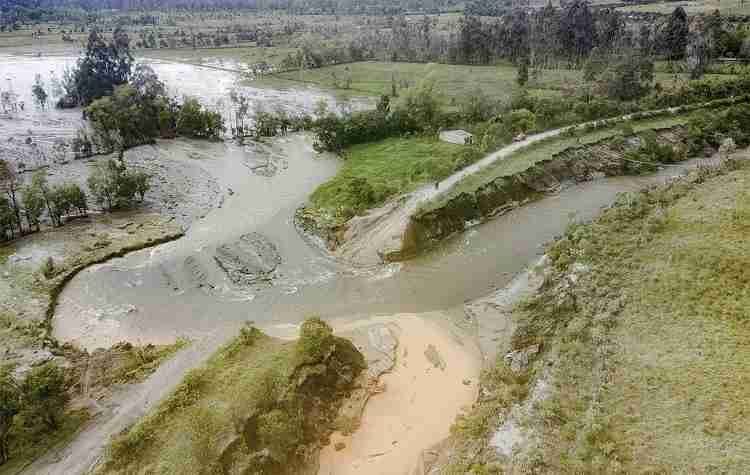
[{"x": 411, "y": 406}]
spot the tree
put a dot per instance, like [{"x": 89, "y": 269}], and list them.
[
  {"x": 112, "y": 185},
  {"x": 104, "y": 182},
  {"x": 520, "y": 121},
  {"x": 147, "y": 83},
  {"x": 577, "y": 30},
  {"x": 7, "y": 219},
  {"x": 522, "y": 77},
  {"x": 10, "y": 406},
  {"x": 475, "y": 107},
  {"x": 123, "y": 120},
  {"x": 629, "y": 79},
  {"x": 104, "y": 66},
  {"x": 674, "y": 38},
  {"x": 33, "y": 204},
  {"x": 194, "y": 121},
  {"x": 44, "y": 394},
  {"x": 141, "y": 183},
  {"x": 697, "y": 52},
  {"x": 40, "y": 94},
  {"x": 10, "y": 183},
  {"x": 420, "y": 105},
  {"x": 39, "y": 188}
]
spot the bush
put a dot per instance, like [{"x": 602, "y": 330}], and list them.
[
  {"x": 113, "y": 186},
  {"x": 315, "y": 341},
  {"x": 44, "y": 394},
  {"x": 520, "y": 121},
  {"x": 194, "y": 121},
  {"x": 10, "y": 406}
]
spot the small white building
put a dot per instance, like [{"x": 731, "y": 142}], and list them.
[{"x": 458, "y": 137}]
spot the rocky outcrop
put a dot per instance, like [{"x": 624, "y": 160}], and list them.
[{"x": 248, "y": 260}]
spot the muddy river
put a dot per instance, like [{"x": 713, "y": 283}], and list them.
[{"x": 182, "y": 288}]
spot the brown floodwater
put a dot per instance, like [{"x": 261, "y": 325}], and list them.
[{"x": 145, "y": 296}]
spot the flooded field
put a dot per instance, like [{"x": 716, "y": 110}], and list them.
[{"x": 48, "y": 131}]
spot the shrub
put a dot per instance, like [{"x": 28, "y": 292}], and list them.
[
  {"x": 10, "y": 406},
  {"x": 48, "y": 268},
  {"x": 315, "y": 341},
  {"x": 44, "y": 394},
  {"x": 520, "y": 121},
  {"x": 194, "y": 121}
]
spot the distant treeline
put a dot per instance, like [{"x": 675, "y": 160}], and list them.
[{"x": 378, "y": 7}]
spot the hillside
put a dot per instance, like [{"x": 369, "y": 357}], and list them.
[{"x": 637, "y": 342}]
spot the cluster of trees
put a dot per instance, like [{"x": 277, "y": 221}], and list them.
[
  {"x": 38, "y": 402},
  {"x": 103, "y": 66},
  {"x": 417, "y": 110},
  {"x": 114, "y": 186},
  {"x": 128, "y": 105},
  {"x": 23, "y": 205},
  {"x": 376, "y": 7}
]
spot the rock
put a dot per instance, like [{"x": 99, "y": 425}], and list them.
[
  {"x": 249, "y": 259},
  {"x": 432, "y": 355},
  {"x": 339, "y": 446},
  {"x": 519, "y": 360}
]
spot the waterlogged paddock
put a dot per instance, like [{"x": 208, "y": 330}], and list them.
[{"x": 50, "y": 130}]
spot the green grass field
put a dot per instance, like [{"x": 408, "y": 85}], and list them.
[
  {"x": 455, "y": 81},
  {"x": 673, "y": 353},
  {"x": 392, "y": 166},
  {"x": 726, "y": 7},
  {"x": 498, "y": 82}
]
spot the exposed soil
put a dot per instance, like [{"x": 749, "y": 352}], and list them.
[{"x": 434, "y": 378}]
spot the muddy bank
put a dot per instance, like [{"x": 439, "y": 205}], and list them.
[
  {"x": 607, "y": 158},
  {"x": 29, "y": 298},
  {"x": 434, "y": 377}
]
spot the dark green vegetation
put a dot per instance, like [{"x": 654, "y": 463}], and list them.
[
  {"x": 259, "y": 405},
  {"x": 650, "y": 294},
  {"x": 29, "y": 407},
  {"x": 28, "y": 202},
  {"x": 34, "y": 410},
  {"x": 374, "y": 172},
  {"x": 130, "y": 109}
]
